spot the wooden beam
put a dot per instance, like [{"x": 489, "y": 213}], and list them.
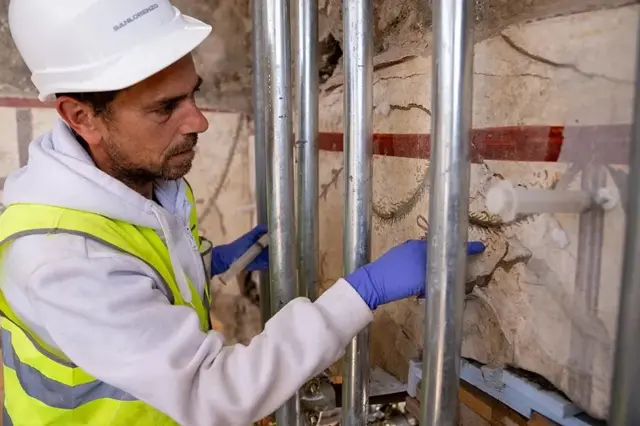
[{"x": 539, "y": 420}]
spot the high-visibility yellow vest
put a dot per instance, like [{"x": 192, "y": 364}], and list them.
[{"x": 42, "y": 386}]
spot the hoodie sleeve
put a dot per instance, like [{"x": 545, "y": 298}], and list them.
[{"x": 103, "y": 312}]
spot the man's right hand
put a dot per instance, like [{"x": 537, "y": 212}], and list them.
[{"x": 397, "y": 274}]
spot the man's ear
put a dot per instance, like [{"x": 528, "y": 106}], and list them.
[{"x": 81, "y": 117}]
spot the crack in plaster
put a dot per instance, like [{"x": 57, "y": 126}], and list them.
[
  {"x": 393, "y": 62},
  {"x": 411, "y": 106},
  {"x": 563, "y": 65},
  {"x": 400, "y": 77},
  {"x": 335, "y": 101},
  {"x": 484, "y": 74},
  {"x": 377, "y": 67},
  {"x": 330, "y": 89}
]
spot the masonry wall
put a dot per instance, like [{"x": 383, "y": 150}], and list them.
[{"x": 553, "y": 88}]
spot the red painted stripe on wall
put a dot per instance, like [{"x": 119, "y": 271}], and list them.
[
  {"x": 11, "y": 102},
  {"x": 604, "y": 144},
  {"x": 582, "y": 144}
]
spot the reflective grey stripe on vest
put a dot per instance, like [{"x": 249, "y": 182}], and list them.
[
  {"x": 52, "y": 392},
  {"x": 6, "y": 419},
  {"x": 38, "y": 346},
  {"x": 206, "y": 256},
  {"x": 46, "y": 231}
]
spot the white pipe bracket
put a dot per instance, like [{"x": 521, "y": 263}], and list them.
[{"x": 510, "y": 201}]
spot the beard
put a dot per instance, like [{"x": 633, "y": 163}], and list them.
[{"x": 176, "y": 163}]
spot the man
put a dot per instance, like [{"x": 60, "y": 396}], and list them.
[{"x": 104, "y": 289}]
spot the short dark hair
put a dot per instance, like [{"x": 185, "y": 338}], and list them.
[{"x": 99, "y": 101}]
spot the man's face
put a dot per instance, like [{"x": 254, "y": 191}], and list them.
[{"x": 151, "y": 129}]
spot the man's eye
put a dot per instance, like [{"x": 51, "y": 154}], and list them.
[{"x": 167, "y": 108}]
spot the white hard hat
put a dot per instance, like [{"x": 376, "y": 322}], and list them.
[{"x": 74, "y": 46}]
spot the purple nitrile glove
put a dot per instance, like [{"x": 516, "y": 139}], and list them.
[
  {"x": 399, "y": 273},
  {"x": 223, "y": 256}
]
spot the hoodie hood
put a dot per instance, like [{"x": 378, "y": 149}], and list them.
[{"x": 61, "y": 173}]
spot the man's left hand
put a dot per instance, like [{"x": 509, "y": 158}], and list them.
[{"x": 223, "y": 256}]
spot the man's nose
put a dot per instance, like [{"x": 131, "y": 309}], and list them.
[{"x": 194, "y": 121}]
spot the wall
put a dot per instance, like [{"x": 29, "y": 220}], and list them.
[
  {"x": 552, "y": 104},
  {"x": 553, "y": 84}
]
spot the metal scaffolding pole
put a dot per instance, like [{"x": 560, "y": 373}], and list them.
[
  {"x": 448, "y": 208},
  {"x": 281, "y": 211},
  {"x": 260, "y": 107},
  {"x": 358, "y": 134},
  {"x": 625, "y": 410},
  {"x": 307, "y": 147}
]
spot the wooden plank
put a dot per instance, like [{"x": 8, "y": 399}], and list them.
[
  {"x": 491, "y": 410},
  {"x": 479, "y": 402},
  {"x": 539, "y": 420},
  {"x": 468, "y": 417}
]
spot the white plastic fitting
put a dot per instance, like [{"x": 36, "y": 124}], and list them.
[{"x": 509, "y": 201}]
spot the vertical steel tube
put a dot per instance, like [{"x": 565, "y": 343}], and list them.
[
  {"x": 281, "y": 211},
  {"x": 307, "y": 147},
  {"x": 448, "y": 208},
  {"x": 260, "y": 108},
  {"x": 307, "y": 153},
  {"x": 358, "y": 135},
  {"x": 625, "y": 410}
]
